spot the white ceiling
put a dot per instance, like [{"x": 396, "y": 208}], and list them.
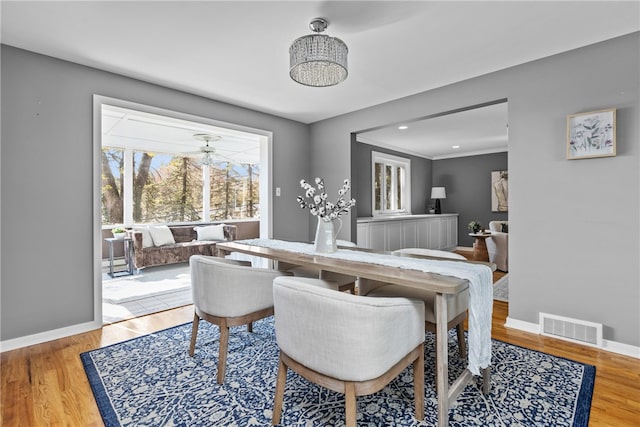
[
  {"x": 237, "y": 51},
  {"x": 464, "y": 133},
  {"x": 142, "y": 131}
]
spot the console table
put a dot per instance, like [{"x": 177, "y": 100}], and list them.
[
  {"x": 389, "y": 233},
  {"x": 444, "y": 286}
]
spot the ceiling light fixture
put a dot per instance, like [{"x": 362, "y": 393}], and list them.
[
  {"x": 318, "y": 60},
  {"x": 455, "y": 147},
  {"x": 403, "y": 127},
  {"x": 207, "y": 150}
]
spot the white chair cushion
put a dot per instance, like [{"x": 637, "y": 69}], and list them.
[
  {"x": 161, "y": 235},
  {"x": 210, "y": 232}
]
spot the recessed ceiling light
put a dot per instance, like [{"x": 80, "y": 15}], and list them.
[
  {"x": 455, "y": 147},
  {"x": 403, "y": 127}
]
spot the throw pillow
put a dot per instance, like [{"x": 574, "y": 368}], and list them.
[
  {"x": 505, "y": 227},
  {"x": 161, "y": 235},
  {"x": 147, "y": 242},
  {"x": 210, "y": 232}
]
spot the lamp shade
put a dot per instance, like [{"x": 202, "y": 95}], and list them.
[{"x": 438, "y": 193}]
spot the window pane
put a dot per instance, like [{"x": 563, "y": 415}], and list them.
[
  {"x": 112, "y": 183},
  {"x": 388, "y": 175},
  {"x": 399, "y": 185},
  {"x": 377, "y": 187},
  {"x": 391, "y": 186},
  {"x": 234, "y": 191},
  {"x": 166, "y": 188}
]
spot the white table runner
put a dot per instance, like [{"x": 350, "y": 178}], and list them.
[{"x": 480, "y": 278}]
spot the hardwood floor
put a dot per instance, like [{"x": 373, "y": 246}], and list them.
[{"x": 45, "y": 384}]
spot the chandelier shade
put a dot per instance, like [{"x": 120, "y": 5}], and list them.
[{"x": 318, "y": 60}]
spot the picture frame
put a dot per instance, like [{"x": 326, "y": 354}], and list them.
[
  {"x": 500, "y": 191},
  {"x": 591, "y": 135}
]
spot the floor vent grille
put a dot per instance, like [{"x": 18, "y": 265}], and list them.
[{"x": 579, "y": 331}]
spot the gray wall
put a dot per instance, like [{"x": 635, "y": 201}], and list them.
[
  {"x": 47, "y": 181},
  {"x": 468, "y": 184},
  {"x": 361, "y": 175},
  {"x": 574, "y": 229}
]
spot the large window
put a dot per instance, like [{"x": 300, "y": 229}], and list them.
[
  {"x": 154, "y": 171},
  {"x": 391, "y": 184}
]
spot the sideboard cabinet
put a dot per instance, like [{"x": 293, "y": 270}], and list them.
[{"x": 409, "y": 231}]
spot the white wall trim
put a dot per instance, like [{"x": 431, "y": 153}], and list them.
[
  {"x": 55, "y": 334},
  {"x": 521, "y": 325},
  {"x": 607, "y": 345},
  {"x": 621, "y": 348}
]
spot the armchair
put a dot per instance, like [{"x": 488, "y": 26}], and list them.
[{"x": 498, "y": 244}]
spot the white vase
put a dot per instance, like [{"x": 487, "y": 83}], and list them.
[{"x": 326, "y": 237}]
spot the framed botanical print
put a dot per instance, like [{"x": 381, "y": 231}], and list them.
[{"x": 591, "y": 134}]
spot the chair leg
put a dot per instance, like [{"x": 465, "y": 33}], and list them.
[
  {"x": 250, "y": 327},
  {"x": 350, "y": 403},
  {"x": 462, "y": 345},
  {"x": 279, "y": 397},
  {"x": 194, "y": 334},
  {"x": 418, "y": 384},
  {"x": 222, "y": 355}
]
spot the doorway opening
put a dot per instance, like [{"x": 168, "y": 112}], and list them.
[{"x": 156, "y": 167}]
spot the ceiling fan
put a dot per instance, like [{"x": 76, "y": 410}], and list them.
[{"x": 206, "y": 150}]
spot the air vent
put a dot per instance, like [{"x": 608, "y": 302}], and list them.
[{"x": 578, "y": 331}]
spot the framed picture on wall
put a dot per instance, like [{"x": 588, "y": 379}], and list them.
[
  {"x": 499, "y": 191},
  {"x": 591, "y": 134}
]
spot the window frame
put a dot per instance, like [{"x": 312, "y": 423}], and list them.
[{"x": 395, "y": 162}]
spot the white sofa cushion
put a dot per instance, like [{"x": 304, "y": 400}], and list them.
[
  {"x": 147, "y": 241},
  {"x": 161, "y": 235},
  {"x": 210, "y": 232}
]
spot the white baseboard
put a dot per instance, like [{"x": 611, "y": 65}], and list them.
[
  {"x": 42, "y": 337},
  {"x": 621, "y": 348},
  {"x": 612, "y": 346},
  {"x": 521, "y": 325}
]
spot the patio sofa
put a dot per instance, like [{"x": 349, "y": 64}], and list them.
[{"x": 150, "y": 250}]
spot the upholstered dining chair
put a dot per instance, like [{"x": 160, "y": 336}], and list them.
[
  {"x": 229, "y": 293},
  {"x": 345, "y": 282},
  {"x": 456, "y": 306},
  {"x": 346, "y": 343}
]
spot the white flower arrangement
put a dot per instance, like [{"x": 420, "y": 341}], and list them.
[{"x": 316, "y": 200}]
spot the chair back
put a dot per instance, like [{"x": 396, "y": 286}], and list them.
[
  {"x": 428, "y": 252},
  {"x": 227, "y": 288},
  {"x": 341, "y": 335}
]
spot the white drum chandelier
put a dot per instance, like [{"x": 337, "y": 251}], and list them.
[{"x": 317, "y": 59}]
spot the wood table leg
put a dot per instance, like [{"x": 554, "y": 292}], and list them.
[
  {"x": 486, "y": 380},
  {"x": 442, "y": 364}
]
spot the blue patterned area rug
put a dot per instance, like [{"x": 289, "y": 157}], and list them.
[{"x": 151, "y": 381}]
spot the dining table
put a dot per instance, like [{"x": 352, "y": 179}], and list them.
[{"x": 381, "y": 266}]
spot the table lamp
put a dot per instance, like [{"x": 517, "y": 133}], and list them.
[{"x": 438, "y": 193}]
